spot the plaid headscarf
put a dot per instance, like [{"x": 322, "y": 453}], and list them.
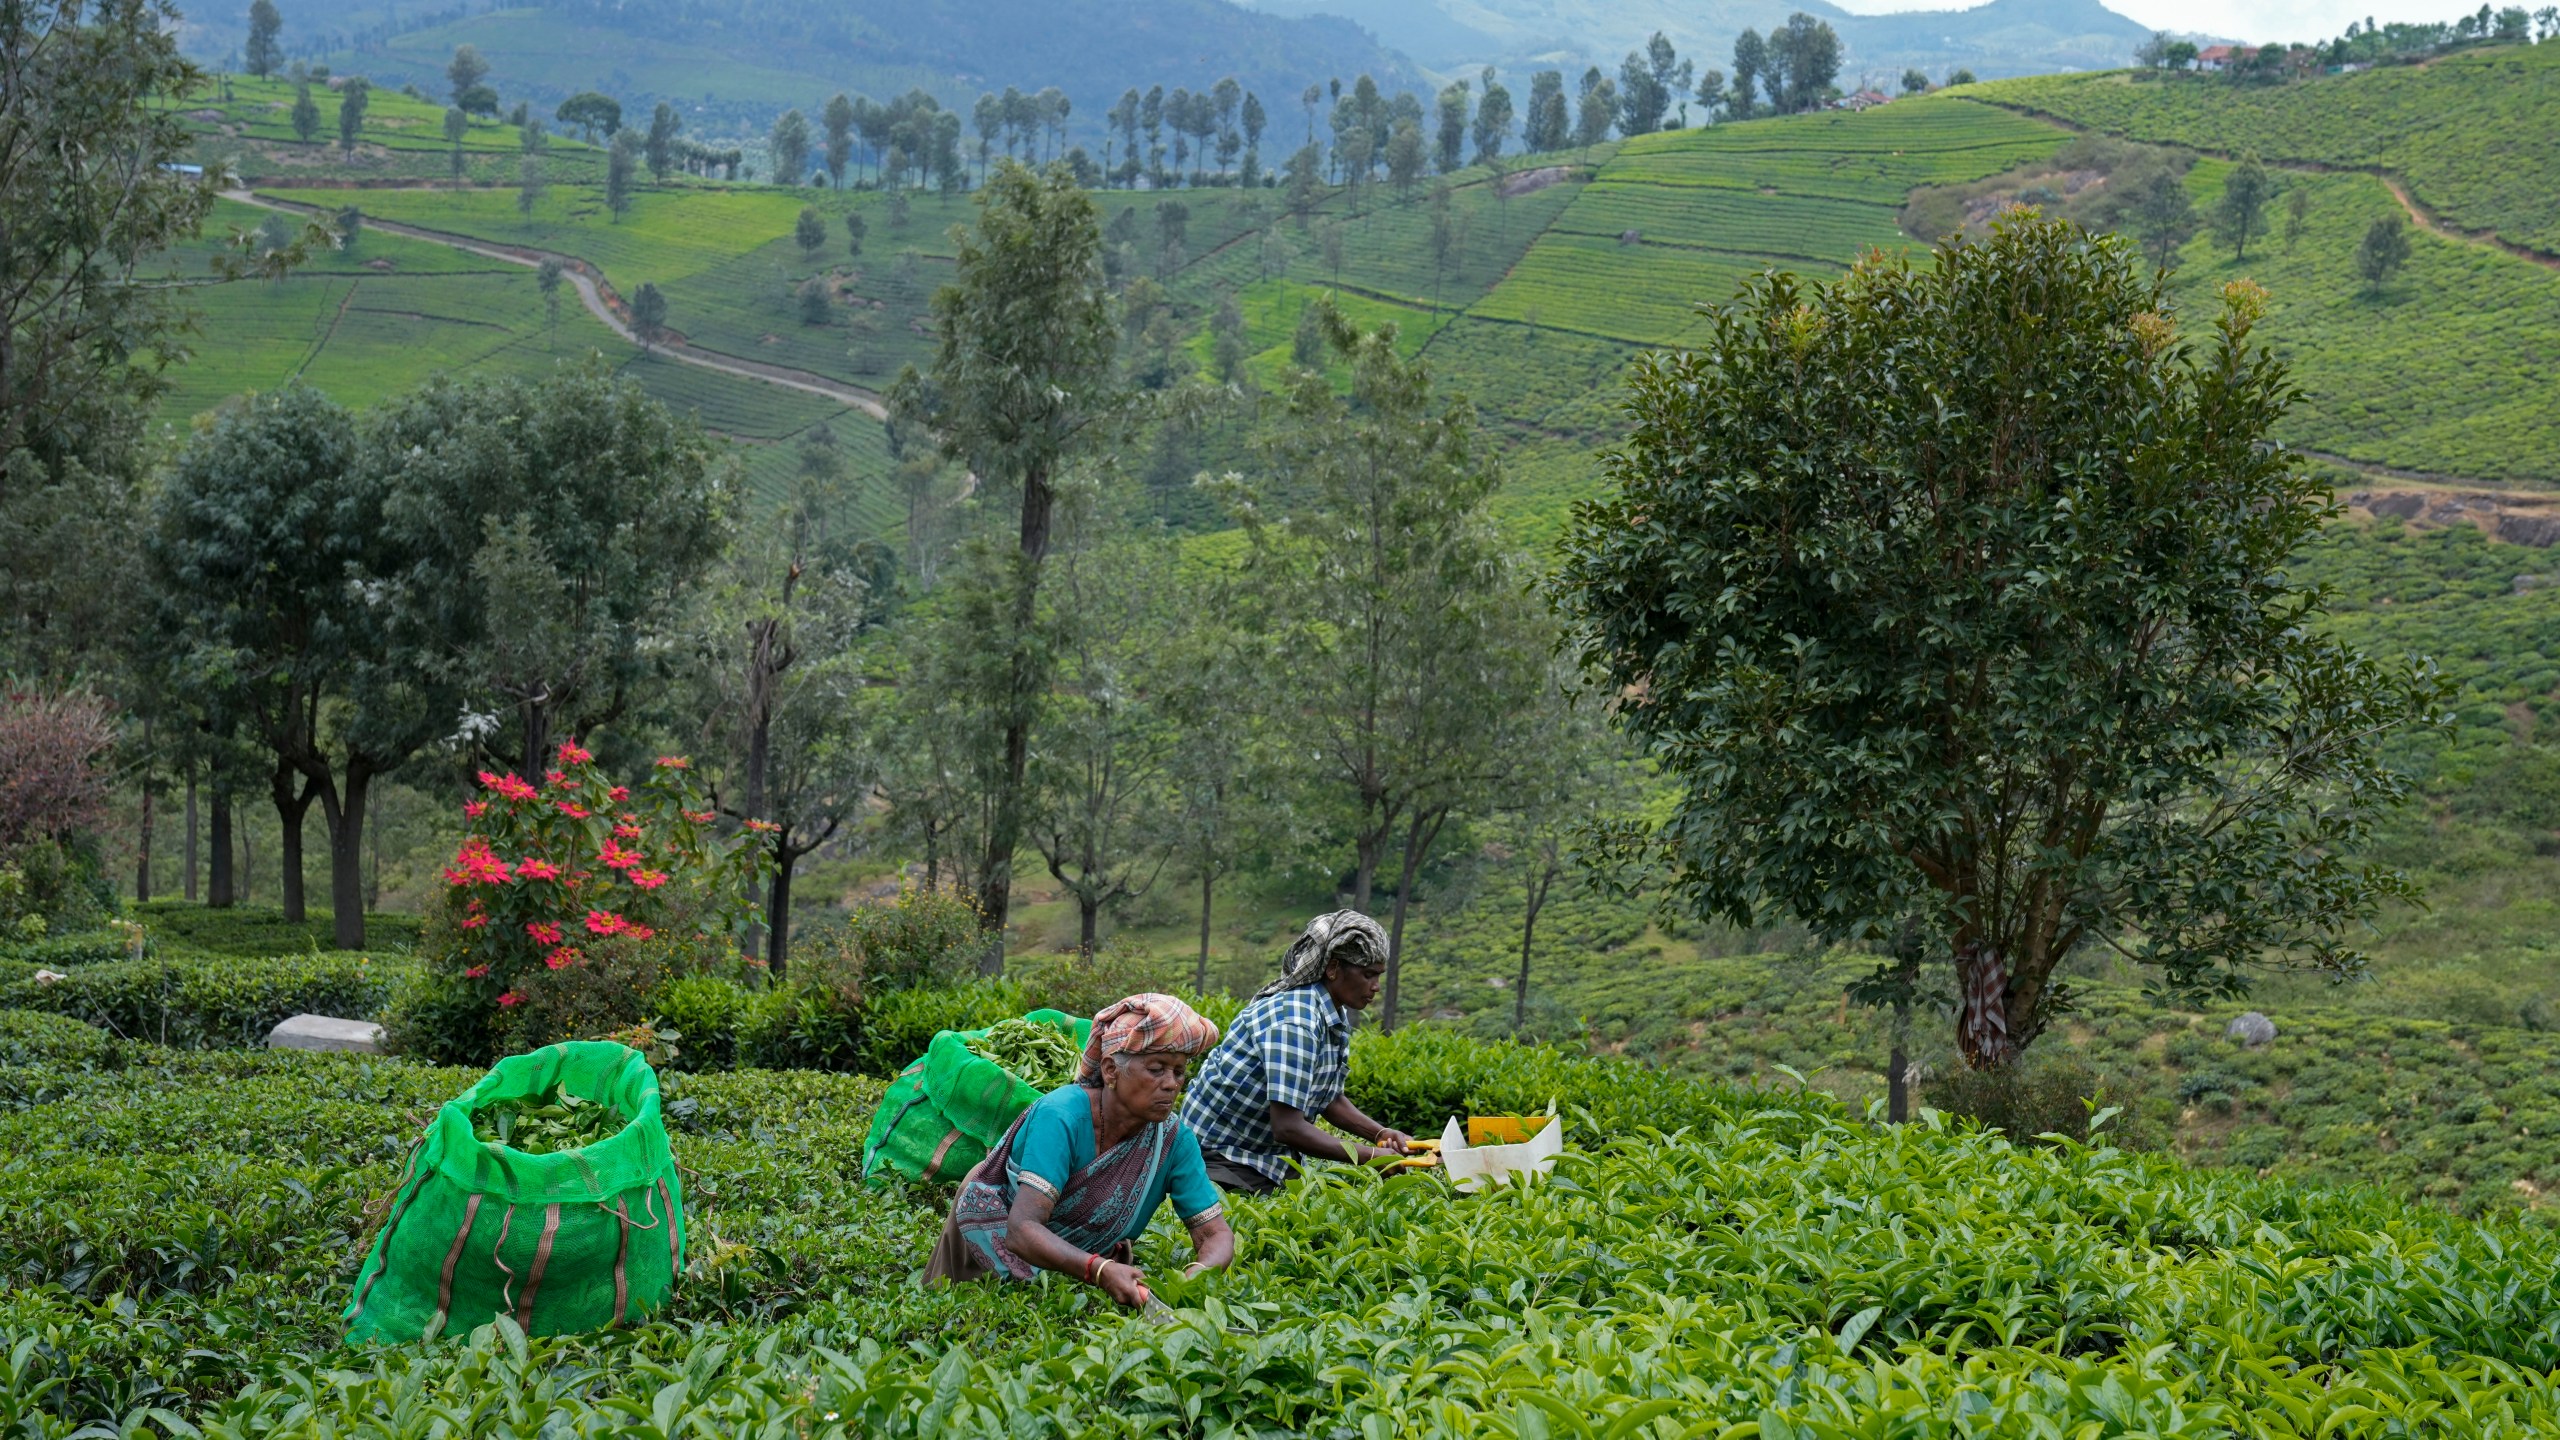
[
  {"x": 1344, "y": 934},
  {"x": 1144, "y": 1025}
]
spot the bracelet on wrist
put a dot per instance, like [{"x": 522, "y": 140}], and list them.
[{"x": 1093, "y": 1268}]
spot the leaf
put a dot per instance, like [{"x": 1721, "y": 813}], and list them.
[{"x": 1857, "y": 1326}]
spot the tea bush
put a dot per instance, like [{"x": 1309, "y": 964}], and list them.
[
  {"x": 178, "y": 1236},
  {"x": 190, "y": 1000}
]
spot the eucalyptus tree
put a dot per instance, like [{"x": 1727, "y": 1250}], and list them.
[
  {"x": 1022, "y": 384},
  {"x": 1956, "y": 600}
]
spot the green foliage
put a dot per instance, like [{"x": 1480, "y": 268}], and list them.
[
  {"x": 37, "y": 1038},
  {"x": 1949, "y": 732},
  {"x": 925, "y": 935},
  {"x": 2384, "y": 249},
  {"x": 2047, "y": 1095},
  {"x": 2445, "y": 127},
  {"x": 262, "y": 929},
  {"x": 209, "y": 1001}
]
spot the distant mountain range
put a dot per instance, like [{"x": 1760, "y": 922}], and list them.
[{"x": 734, "y": 64}]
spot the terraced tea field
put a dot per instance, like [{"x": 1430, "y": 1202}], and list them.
[{"x": 2461, "y": 131}]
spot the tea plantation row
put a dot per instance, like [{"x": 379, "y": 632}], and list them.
[{"x": 178, "y": 1232}]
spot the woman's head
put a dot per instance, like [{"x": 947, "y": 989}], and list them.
[
  {"x": 1141, "y": 1052},
  {"x": 1344, "y": 951}
]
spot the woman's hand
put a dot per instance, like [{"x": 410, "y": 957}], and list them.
[
  {"x": 1394, "y": 1142},
  {"x": 1126, "y": 1284}
]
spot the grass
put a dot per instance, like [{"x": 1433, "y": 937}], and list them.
[
  {"x": 246, "y": 124},
  {"x": 2456, "y": 129}
]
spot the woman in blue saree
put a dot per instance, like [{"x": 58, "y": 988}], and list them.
[{"x": 1075, "y": 1182}]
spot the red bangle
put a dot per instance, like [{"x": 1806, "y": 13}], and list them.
[{"x": 1093, "y": 1267}]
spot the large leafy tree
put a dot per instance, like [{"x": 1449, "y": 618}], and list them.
[
  {"x": 1400, "y": 631},
  {"x": 1022, "y": 382},
  {"x": 272, "y": 553},
  {"x": 1956, "y": 601},
  {"x": 88, "y": 130}
]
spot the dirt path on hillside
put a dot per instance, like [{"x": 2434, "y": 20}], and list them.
[
  {"x": 596, "y": 293},
  {"x": 2419, "y": 215}
]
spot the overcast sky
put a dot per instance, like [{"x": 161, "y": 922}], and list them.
[{"x": 2256, "y": 20}]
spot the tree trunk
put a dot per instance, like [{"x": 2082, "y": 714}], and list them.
[
  {"x": 1004, "y": 832},
  {"x": 1419, "y": 832},
  {"x": 537, "y": 737},
  {"x": 1088, "y": 924},
  {"x": 759, "y": 757},
  {"x": 1897, "y": 1080},
  {"x": 290, "y": 810},
  {"x": 1537, "y": 901},
  {"x": 191, "y": 836},
  {"x": 1982, "y": 1009},
  {"x": 248, "y": 859},
  {"x": 142, "y": 863},
  {"x": 346, "y": 859},
  {"x": 218, "y": 884},
  {"x": 777, "y": 949},
  {"x": 1200, "y": 975}
]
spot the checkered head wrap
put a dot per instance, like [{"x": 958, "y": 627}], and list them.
[
  {"x": 1344, "y": 935},
  {"x": 1148, "y": 1024}
]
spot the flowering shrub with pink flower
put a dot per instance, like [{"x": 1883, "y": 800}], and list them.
[{"x": 580, "y": 871}]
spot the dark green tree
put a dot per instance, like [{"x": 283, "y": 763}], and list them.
[
  {"x": 838, "y": 120},
  {"x": 660, "y": 149},
  {"x": 789, "y": 147},
  {"x": 263, "y": 52},
  {"x": 1956, "y": 601},
  {"x": 1546, "y": 127},
  {"x": 2297, "y": 216},
  {"x": 810, "y": 230},
  {"x": 2384, "y": 249},
  {"x": 1493, "y": 119},
  {"x": 594, "y": 114},
  {"x": 1597, "y": 109},
  {"x": 306, "y": 115},
  {"x": 854, "y": 230},
  {"x": 1455, "y": 105},
  {"x": 89, "y": 191},
  {"x": 2242, "y": 214},
  {"x": 621, "y": 169},
  {"x": 465, "y": 72},
  {"x": 1021, "y": 384},
  {"x": 648, "y": 314},
  {"x": 1750, "y": 64},
  {"x": 354, "y": 98},
  {"x": 546, "y": 278},
  {"x": 456, "y": 125},
  {"x": 2162, "y": 216}
]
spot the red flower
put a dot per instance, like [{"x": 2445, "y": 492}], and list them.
[
  {"x": 475, "y": 972},
  {"x": 475, "y": 922},
  {"x": 507, "y": 785},
  {"x": 648, "y": 879},
  {"x": 571, "y": 809},
  {"x": 510, "y": 999},
  {"x": 537, "y": 870},
  {"x": 627, "y": 831},
  {"x": 473, "y": 864},
  {"x": 563, "y": 957},
  {"x": 763, "y": 827},
  {"x": 674, "y": 762},
  {"x": 555, "y": 777},
  {"x": 698, "y": 817},
  {"x": 544, "y": 931},
  {"x": 475, "y": 808},
  {"x": 605, "y": 922},
  {"x": 614, "y": 857},
  {"x": 618, "y": 794},
  {"x": 639, "y": 932},
  {"x": 571, "y": 754}
]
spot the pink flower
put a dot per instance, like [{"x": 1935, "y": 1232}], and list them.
[
  {"x": 572, "y": 754},
  {"x": 627, "y": 830},
  {"x": 648, "y": 879},
  {"x": 473, "y": 864},
  {"x": 614, "y": 857},
  {"x": 563, "y": 957},
  {"x": 475, "y": 972},
  {"x": 510, "y": 1000},
  {"x": 639, "y": 932},
  {"x": 475, "y": 922},
  {"x": 475, "y": 808},
  {"x": 554, "y": 777},
  {"x": 605, "y": 922},
  {"x": 507, "y": 785},
  {"x": 698, "y": 817},
  {"x": 571, "y": 809},
  {"x": 763, "y": 827},
  {"x": 618, "y": 794},
  {"x": 544, "y": 931},
  {"x": 674, "y": 762},
  {"x": 537, "y": 870}
]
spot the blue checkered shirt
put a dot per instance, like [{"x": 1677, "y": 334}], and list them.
[{"x": 1293, "y": 1048}]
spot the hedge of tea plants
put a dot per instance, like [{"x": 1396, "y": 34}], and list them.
[{"x": 177, "y": 1231}]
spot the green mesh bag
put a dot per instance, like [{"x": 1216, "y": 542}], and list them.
[
  {"x": 568, "y": 1242},
  {"x": 944, "y": 1112}
]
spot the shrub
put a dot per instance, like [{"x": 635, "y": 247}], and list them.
[
  {"x": 93, "y": 947},
  {"x": 32, "y": 1037},
  {"x": 50, "y": 886},
  {"x": 926, "y": 936},
  {"x": 899, "y": 1024},
  {"x": 52, "y": 786},
  {"x": 210, "y": 1001},
  {"x": 2044, "y": 1095},
  {"x": 632, "y": 883},
  {"x": 263, "y": 930},
  {"x": 1081, "y": 984},
  {"x": 1418, "y": 1077},
  {"x": 704, "y": 1011},
  {"x": 440, "y": 1018}
]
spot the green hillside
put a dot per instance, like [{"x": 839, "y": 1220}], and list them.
[{"x": 2460, "y": 131}]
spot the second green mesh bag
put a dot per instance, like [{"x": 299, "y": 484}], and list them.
[
  {"x": 568, "y": 1242},
  {"x": 944, "y": 1112}
]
